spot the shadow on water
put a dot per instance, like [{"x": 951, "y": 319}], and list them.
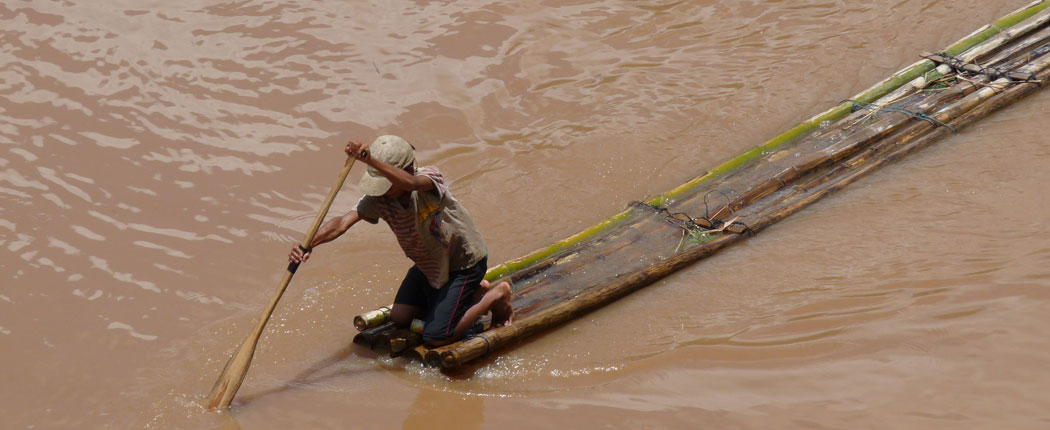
[
  {"x": 310, "y": 376},
  {"x": 430, "y": 406}
]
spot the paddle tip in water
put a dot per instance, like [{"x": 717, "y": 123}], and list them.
[
  {"x": 217, "y": 401},
  {"x": 232, "y": 376},
  {"x": 221, "y": 395}
]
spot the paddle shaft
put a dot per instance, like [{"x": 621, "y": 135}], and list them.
[{"x": 233, "y": 374}]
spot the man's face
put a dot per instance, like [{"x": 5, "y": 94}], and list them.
[{"x": 395, "y": 191}]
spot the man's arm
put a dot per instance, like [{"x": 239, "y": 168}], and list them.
[
  {"x": 399, "y": 177},
  {"x": 327, "y": 233}
]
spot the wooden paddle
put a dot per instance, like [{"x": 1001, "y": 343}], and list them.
[{"x": 233, "y": 374}]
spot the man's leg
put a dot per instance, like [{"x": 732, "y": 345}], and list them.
[
  {"x": 495, "y": 299},
  {"x": 447, "y": 306},
  {"x": 402, "y": 314},
  {"x": 411, "y": 299}
]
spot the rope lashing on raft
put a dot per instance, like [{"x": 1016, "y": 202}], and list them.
[
  {"x": 707, "y": 206},
  {"x": 488, "y": 343},
  {"x": 689, "y": 223},
  {"x": 961, "y": 66},
  {"x": 858, "y": 105}
]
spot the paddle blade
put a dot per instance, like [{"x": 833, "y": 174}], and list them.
[{"x": 232, "y": 375}]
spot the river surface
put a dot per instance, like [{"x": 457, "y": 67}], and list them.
[{"x": 158, "y": 160}]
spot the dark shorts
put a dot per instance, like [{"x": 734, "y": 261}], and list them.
[{"x": 442, "y": 307}]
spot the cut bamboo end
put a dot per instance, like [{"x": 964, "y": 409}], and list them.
[
  {"x": 416, "y": 353},
  {"x": 372, "y": 319},
  {"x": 449, "y": 359},
  {"x": 433, "y": 358},
  {"x": 371, "y": 337},
  {"x": 404, "y": 342}
]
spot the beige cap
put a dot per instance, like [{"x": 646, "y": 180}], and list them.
[{"x": 391, "y": 150}]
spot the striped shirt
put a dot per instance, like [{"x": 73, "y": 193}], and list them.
[{"x": 433, "y": 229}]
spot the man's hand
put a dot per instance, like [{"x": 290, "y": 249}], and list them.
[
  {"x": 357, "y": 149},
  {"x": 297, "y": 255}
]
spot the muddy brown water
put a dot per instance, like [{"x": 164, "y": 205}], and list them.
[{"x": 157, "y": 161}]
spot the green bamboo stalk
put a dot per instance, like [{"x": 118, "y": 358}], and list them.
[{"x": 868, "y": 96}]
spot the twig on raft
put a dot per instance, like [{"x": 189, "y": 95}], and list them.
[
  {"x": 993, "y": 85},
  {"x": 680, "y": 242}
]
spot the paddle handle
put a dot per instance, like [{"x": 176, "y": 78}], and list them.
[{"x": 233, "y": 374}]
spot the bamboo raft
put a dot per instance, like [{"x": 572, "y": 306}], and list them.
[{"x": 946, "y": 91}]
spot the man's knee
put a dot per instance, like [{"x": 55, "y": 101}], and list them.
[{"x": 402, "y": 315}]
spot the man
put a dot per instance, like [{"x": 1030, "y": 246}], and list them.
[{"x": 445, "y": 288}]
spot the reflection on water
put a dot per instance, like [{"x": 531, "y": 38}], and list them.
[
  {"x": 432, "y": 407},
  {"x": 157, "y": 160}
]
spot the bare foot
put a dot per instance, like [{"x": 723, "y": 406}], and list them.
[
  {"x": 495, "y": 299},
  {"x": 502, "y": 310}
]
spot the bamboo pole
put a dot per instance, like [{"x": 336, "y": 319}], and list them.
[
  {"x": 904, "y": 145},
  {"x": 577, "y": 260},
  {"x": 844, "y": 147},
  {"x": 956, "y": 115},
  {"x": 370, "y": 337},
  {"x": 1021, "y": 28},
  {"x": 949, "y": 114},
  {"x": 877, "y": 131},
  {"x": 978, "y": 69},
  {"x": 1014, "y": 50},
  {"x": 975, "y": 54},
  {"x": 882, "y": 88},
  {"x": 878, "y": 90},
  {"x": 919, "y": 134},
  {"x": 1007, "y": 35},
  {"x": 594, "y": 296},
  {"x": 518, "y": 276}
]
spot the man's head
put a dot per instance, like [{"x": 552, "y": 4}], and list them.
[{"x": 391, "y": 150}]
